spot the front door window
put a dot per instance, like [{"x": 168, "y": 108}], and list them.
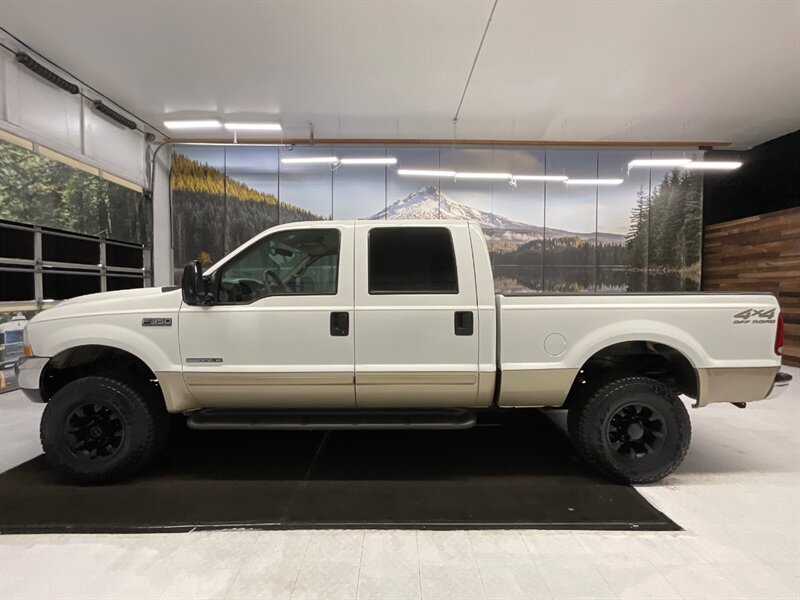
[{"x": 296, "y": 262}]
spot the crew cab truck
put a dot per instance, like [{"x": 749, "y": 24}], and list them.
[{"x": 386, "y": 324}]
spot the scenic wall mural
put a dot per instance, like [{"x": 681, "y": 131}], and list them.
[
  {"x": 38, "y": 190},
  {"x": 549, "y": 237}
]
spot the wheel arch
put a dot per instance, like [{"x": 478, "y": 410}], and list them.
[
  {"x": 83, "y": 360},
  {"x": 649, "y": 356}
]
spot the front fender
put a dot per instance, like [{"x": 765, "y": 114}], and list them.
[{"x": 156, "y": 347}]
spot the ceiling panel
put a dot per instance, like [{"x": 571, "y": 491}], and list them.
[{"x": 559, "y": 70}]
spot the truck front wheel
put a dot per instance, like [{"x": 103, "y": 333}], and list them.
[
  {"x": 632, "y": 430},
  {"x": 97, "y": 430}
]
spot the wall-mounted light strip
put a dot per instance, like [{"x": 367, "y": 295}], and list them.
[
  {"x": 113, "y": 115},
  {"x": 540, "y": 177},
  {"x": 252, "y": 126},
  {"x": 713, "y": 165},
  {"x": 425, "y": 173},
  {"x": 389, "y": 160},
  {"x": 468, "y": 175},
  {"x": 593, "y": 181},
  {"x": 45, "y": 73},
  {"x": 193, "y": 124},
  {"x": 659, "y": 162},
  {"x": 331, "y": 160}
]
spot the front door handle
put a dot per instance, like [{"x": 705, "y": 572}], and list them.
[
  {"x": 464, "y": 322},
  {"x": 340, "y": 323}
]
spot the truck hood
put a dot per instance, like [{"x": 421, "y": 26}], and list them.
[{"x": 122, "y": 301}]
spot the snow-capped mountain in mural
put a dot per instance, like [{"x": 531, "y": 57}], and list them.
[{"x": 430, "y": 203}]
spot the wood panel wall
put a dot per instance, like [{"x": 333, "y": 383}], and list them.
[{"x": 759, "y": 254}]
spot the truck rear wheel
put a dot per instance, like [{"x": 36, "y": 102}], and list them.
[
  {"x": 632, "y": 430},
  {"x": 98, "y": 430}
]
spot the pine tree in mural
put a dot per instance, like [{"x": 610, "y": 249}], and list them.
[
  {"x": 636, "y": 241},
  {"x": 665, "y": 231}
]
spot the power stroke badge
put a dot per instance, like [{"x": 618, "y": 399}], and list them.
[{"x": 754, "y": 316}]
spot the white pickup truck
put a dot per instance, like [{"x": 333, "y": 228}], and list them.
[{"x": 386, "y": 324}]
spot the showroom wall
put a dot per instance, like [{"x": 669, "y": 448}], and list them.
[
  {"x": 644, "y": 234},
  {"x": 35, "y": 109},
  {"x": 70, "y": 159},
  {"x": 767, "y": 181},
  {"x": 752, "y": 233}
]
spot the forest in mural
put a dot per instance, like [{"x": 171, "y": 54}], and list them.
[
  {"x": 650, "y": 240},
  {"x": 213, "y": 214},
  {"x": 40, "y": 191},
  {"x": 665, "y": 228}
]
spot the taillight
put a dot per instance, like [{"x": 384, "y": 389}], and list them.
[{"x": 779, "y": 335}]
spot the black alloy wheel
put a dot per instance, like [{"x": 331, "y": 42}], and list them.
[
  {"x": 636, "y": 430},
  {"x": 94, "y": 430}
]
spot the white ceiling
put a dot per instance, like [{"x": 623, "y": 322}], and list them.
[{"x": 549, "y": 70}]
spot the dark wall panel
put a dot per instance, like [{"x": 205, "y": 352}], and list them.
[{"x": 767, "y": 181}]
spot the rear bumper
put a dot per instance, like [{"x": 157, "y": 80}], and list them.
[
  {"x": 29, "y": 374},
  {"x": 781, "y": 383},
  {"x": 735, "y": 384}
]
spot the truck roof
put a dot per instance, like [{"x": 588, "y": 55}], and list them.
[{"x": 397, "y": 222}]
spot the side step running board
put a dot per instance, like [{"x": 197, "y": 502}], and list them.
[{"x": 213, "y": 418}]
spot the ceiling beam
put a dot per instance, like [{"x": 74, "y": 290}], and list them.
[{"x": 450, "y": 142}]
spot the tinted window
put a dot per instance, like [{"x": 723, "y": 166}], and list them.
[
  {"x": 412, "y": 260},
  {"x": 296, "y": 262}
]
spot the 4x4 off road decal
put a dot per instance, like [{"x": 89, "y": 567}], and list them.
[{"x": 755, "y": 316}]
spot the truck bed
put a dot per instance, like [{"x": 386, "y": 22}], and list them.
[{"x": 544, "y": 341}]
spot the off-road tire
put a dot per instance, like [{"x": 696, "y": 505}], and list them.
[
  {"x": 592, "y": 429},
  {"x": 131, "y": 410},
  {"x": 161, "y": 418}
]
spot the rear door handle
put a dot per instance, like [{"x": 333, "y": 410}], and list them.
[
  {"x": 464, "y": 322},
  {"x": 340, "y": 323}
]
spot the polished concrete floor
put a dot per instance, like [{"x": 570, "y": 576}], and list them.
[{"x": 737, "y": 496}]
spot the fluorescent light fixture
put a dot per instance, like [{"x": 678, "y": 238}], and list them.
[
  {"x": 195, "y": 124},
  {"x": 659, "y": 162},
  {"x": 331, "y": 160},
  {"x": 252, "y": 126},
  {"x": 389, "y": 160},
  {"x": 540, "y": 177},
  {"x": 713, "y": 165},
  {"x": 426, "y": 173},
  {"x": 594, "y": 181},
  {"x": 483, "y": 175}
]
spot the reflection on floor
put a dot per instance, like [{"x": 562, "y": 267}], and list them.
[{"x": 737, "y": 495}]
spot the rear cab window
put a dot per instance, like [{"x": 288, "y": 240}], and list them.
[{"x": 411, "y": 260}]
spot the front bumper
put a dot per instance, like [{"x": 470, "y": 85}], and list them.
[
  {"x": 29, "y": 375},
  {"x": 781, "y": 383}
]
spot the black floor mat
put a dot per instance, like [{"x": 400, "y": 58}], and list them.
[{"x": 515, "y": 470}]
